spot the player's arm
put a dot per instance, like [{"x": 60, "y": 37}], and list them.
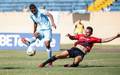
[
  {"x": 35, "y": 27},
  {"x": 83, "y": 26},
  {"x": 34, "y": 30},
  {"x": 51, "y": 18},
  {"x": 110, "y": 38},
  {"x": 71, "y": 37},
  {"x": 35, "y": 24}
]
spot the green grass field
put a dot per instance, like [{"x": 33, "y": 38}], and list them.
[{"x": 100, "y": 61}]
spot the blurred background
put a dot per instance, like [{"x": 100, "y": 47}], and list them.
[{"x": 102, "y": 15}]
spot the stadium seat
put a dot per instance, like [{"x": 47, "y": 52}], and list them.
[
  {"x": 98, "y": 5},
  {"x": 55, "y": 5}
]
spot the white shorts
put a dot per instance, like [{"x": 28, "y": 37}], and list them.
[{"x": 45, "y": 35}]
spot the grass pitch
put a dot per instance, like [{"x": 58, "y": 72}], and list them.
[{"x": 100, "y": 61}]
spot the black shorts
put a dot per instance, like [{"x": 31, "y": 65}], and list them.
[{"x": 73, "y": 52}]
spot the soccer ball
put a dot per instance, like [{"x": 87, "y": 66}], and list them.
[{"x": 31, "y": 51}]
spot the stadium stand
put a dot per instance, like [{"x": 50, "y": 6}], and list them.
[
  {"x": 115, "y": 6},
  {"x": 59, "y": 5},
  {"x": 98, "y": 5},
  {"x": 55, "y": 5}
]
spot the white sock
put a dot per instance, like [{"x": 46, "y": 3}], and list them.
[{"x": 49, "y": 53}]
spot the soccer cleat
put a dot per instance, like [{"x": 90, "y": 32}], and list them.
[
  {"x": 26, "y": 42},
  {"x": 50, "y": 64},
  {"x": 41, "y": 65},
  {"x": 67, "y": 65},
  {"x": 71, "y": 65}
]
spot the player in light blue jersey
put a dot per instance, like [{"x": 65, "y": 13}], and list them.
[{"x": 42, "y": 28}]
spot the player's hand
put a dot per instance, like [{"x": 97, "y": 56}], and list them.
[
  {"x": 54, "y": 25},
  {"x": 36, "y": 34},
  {"x": 118, "y": 35},
  {"x": 68, "y": 35}
]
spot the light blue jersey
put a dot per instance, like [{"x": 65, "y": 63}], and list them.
[
  {"x": 43, "y": 25},
  {"x": 42, "y": 20},
  {"x": 43, "y": 29}
]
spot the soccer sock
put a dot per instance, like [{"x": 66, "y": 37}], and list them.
[
  {"x": 27, "y": 43},
  {"x": 49, "y": 53},
  {"x": 53, "y": 58},
  {"x": 74, "y": 65}
]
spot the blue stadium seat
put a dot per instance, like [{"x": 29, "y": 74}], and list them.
[
  {"x": 55, "y": 5},
  {"x": 115, "y": 6}
]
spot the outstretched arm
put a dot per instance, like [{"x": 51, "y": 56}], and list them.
[
  {"x": 110, "y": 38},
  {"x": 51, "y": 18},
  {"x": 71, "y": 37}
]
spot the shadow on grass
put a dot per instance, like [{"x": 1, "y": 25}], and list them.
[
  {"x": 88, "y": 66},
  {"x": 92, "y": 66},
  {"x": 8, "y": 68}
]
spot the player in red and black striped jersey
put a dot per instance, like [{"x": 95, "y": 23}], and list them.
[
  {"x": 81, "y": 47},
  {"x": 83, "y": 40}
]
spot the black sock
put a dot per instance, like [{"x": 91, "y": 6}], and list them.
[
  {"x": 53, "y": 58},
  {"x": 74, "y": 65}
]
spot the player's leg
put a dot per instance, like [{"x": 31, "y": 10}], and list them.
[
  {"x": 75, "y": 63},
  {"x": 30, "y": 43},
  {"x": 49, "y": 51},
  {"x": 46, "y": 35},
  {"x": 27, "y": 42},
  {"x": 78, "y": 56},
  {"x": 62, "y": 55},
  {"x": 48, "y": 48},
  {"x": 47, "y": 39}
]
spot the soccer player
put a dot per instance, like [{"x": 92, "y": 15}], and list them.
[
  {"x": 79, "y": 27},
  {"x": 81, "y": 47},
  {"x": 42, "y": 27}
]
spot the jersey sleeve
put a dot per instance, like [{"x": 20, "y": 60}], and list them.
[
  {"x": 77, "y": 36},
  {"x": 96, "y": 40},
  {"x": 32, "y": 18},
  {"x": 43, "y": 11}
]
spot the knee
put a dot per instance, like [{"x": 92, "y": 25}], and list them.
[
  {"x": 57, "y": 56},
  {"x": 61, "y": 56},
  {"x": 36, "y": 34},
  {"x": 54, "y": 58},
  {"x": 47, "y": 44}
]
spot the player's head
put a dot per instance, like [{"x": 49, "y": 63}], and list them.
[
  {"x": 33, "y": 8},
  {"x": 88, "y": 31},
  {"x": 79, "y": 22}
]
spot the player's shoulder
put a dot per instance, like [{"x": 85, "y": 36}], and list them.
[
  {"x": 80, "y": 35},
  {"x": 32, "y": 16},
  {"x": 93, "y": 37},
  {"x": 44, "y": 11}
]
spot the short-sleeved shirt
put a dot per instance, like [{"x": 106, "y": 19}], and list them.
[
  {"x": 87, "y": 42},
  {"x": 41, "y": 19},
  {"x": 79, "y": 29}
]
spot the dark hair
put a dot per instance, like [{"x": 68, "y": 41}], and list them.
[
  {"x": 32, "y": 5},
  {"x": 90, "y": 28}
]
